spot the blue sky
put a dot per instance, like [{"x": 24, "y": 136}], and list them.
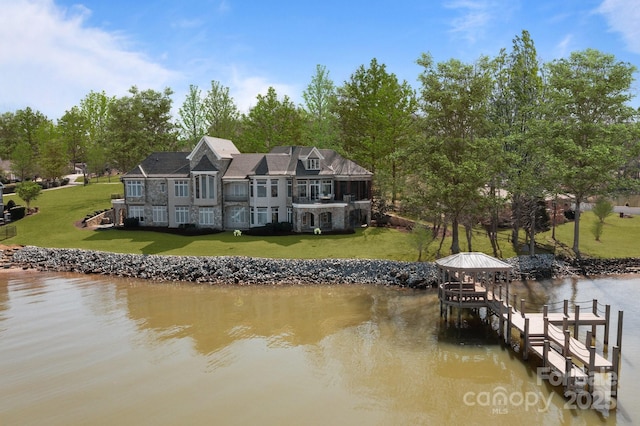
[{"x": 53, "y": 52}]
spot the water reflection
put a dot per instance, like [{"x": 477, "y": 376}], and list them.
[
  {"x": 215, "y": 319},
  {"x": 99, "y": 350}
]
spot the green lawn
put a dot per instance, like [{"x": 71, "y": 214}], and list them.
[
  {"x": 620, "y": 237},
  {"x": 59, "y": 209}
]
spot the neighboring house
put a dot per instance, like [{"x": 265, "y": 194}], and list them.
[
  {"x": 5, "y": 170},
  {"x": 215, "y": 186}
]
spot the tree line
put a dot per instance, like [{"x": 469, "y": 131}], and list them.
[{"x": 474, "y": 138}]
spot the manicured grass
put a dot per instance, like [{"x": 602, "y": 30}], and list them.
[
  {"x": 59, "y": 209},
  {"x": 54, "y": 226},
  {"x": 620, "y": 237}
]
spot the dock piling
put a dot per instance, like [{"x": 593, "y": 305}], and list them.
[
  {"x": 619, "y": 341},
  {"x": 607, "y": 318},
  {"x": 525, "y": 350}
]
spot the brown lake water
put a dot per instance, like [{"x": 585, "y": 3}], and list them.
[{"x": 93, "y": 350}]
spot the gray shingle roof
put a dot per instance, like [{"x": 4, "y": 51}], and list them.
[
  {"x": 242, "y": 166},
  {"x": 282, "y": 160},
  {"x": 162, "y": 164},
  {"x": 332, "y": 163}
]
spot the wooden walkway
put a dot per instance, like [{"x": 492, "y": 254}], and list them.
[
  {"x": 536, "y": 332},
  {"x": 464, "y": 281},
  {"x": 545, "y": 335}
]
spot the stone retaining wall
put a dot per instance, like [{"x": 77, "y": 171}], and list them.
[
  {"x": 250, "y": 271},
  {"x": 228, "y": 269}
]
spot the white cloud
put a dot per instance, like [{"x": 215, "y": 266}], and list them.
[
  {"x": 564, "y": 47},
  {"x": 623, "y": 17},
  {"x": 475, "y": 16},
  {"x": 50, "y": 59},
  {"x": 245, "y": 89}
]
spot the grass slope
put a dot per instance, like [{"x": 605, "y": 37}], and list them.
[{"x": 59, "y": 209}]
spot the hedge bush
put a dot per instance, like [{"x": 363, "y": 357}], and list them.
[{"x": 17, "y": 212}]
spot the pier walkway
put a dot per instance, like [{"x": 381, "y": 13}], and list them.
[{"x": 474, "y": 281}]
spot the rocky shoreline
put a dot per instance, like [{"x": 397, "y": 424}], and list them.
[{"x": 261, "y": 271}]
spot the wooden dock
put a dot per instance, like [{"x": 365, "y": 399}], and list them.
[{"x": 476, "y": 283}]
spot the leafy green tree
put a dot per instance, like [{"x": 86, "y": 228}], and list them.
[
  {"x": 319, "y": 103},
  {"x": 377, "y": 119},
  {"x": 23, "y": 163},
  {"x": 597, "y": 229},
  {"x": 192, "y": 122},
  {"x": 221, "y": 115},
  {"x": 95, "y": 108},
  {"x": 28, "y": 191},
  {"x": 271, "y": 123},
  {"x": 455, "y": 159},
  {"x": 602, "y": 209},
  {"x": 96, "y": 160},
  {"x": 24, "y": 129},
  {"x": 421, "y": 238},
  {"x": 29, "y": 122},
  {"x": 73, "y": 132},
  {"x": 516, "y": 113},
  {"x": 9, "y": 134},
  {"x": 140, "y": 124},
  {"x": 54, "y": 159},
  {"x": 590, "y": 123}
]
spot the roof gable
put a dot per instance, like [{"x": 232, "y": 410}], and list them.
[
  {"x": 221, "y": 148},
  {"x": 205, "y": 165},
  {"x": 331, "y": 163}
]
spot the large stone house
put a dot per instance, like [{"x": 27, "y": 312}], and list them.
[{"x": 215, "y": 186}]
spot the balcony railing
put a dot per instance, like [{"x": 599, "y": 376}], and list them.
[
  {"x": 229, "y": 197},
  {"x": 347, "y": 198}
]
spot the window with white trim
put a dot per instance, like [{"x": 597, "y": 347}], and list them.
[
  {"x": 181, "y": 188},
  {"x": 314, "y": 189},
  {"x": 274, "y": 188},
  {"x": 205, "y": 215},
  {"x": 205, "y": 187},
  {"x": 313, "y": 164},
  {"x": 236, "y": 190},
  {"x": 182, "y": 214},
  {"x": 137, "y": 212},
  {"x": 290, "y": 214},
  {"x": 133, "y": 188},
  {"x": 261, "y": 188},
  {"x": 159, "y": 214},
  {"x": 302, "y": 188},
  {"x": 289, "y": 188},
  {"x": 238, "y": 215},
  {"x": 307, "y": 219},
  {"x": 327, "y": 187},
  {"x": 325, "y": 219},
  {"x": 274, "y": 215},
  {"x": 261, "y": 216}
]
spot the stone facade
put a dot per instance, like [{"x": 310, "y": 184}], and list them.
[{"x": 215, "y": 186}]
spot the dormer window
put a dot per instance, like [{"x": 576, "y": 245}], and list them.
[{"x": 313, "y": 164}]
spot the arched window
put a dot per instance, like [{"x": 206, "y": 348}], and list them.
[
  {"x": 325, "y": 220},
  {"x": 308, "y": 220}
]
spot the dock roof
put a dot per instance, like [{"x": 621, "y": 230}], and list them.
[{"x": 473, "y": 261}]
